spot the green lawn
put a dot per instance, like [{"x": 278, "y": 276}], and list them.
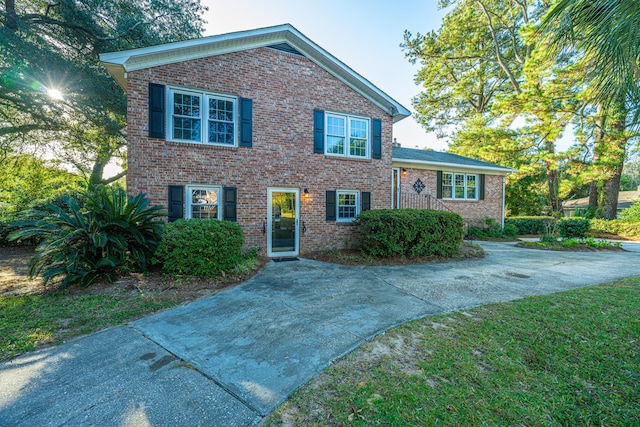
[
  {"x": 568, "y": 359},
  {"x": 32, "y": 320}
]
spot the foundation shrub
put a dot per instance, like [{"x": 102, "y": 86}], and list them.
[
  {"x": 203, "y": 248},
  {"x": 410, "y": 232}
]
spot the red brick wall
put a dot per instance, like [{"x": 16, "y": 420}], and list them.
[
  {"x": 285, "y": 90},
  {"x": 470, "y": 210}
]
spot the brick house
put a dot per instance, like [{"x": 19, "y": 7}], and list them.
[{"x": 262, "y": 127}]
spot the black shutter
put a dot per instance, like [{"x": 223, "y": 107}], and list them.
[
  {"x": 246, "y": 122},
  {"x": 331, "y": 205},
  {"x": 481, "y": 187},
  {"x": 439, "y": 184},
  {"x": 176, "y": 202},
  {"x": 365, "y": 201},
  {"x": 377, "y": 139},
  {"x": 156, "y": 110},
  {"x": 318, "y": 131},
  {"x": 230, "y": 202}
]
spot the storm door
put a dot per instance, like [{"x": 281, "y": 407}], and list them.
[{"x": 283, "y": 221}]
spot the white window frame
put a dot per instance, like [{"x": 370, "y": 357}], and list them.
[
  {"x": 347, "y": 136},
  {"x": 189, "y": 202},
  {"x": 357, "y": 206},
  {"x": 453, "y": 185},
  {"x": 204, "y": 115}
]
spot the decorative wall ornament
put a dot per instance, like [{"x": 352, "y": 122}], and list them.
[{"x": 418, "y": 186}]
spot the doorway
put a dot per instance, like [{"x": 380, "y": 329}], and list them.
[{"x": 283, "y": 222}]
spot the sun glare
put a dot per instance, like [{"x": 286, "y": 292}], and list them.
[{"x": 54, "y": 94}]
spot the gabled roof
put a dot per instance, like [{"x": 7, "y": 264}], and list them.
[
  {"x": 439, "y": 159},
  {"x": 283, "y": 37}
]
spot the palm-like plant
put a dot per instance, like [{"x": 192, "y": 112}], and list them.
[
  {"x": 109, "y": 232},
  {"x": 607, "y": 32}
]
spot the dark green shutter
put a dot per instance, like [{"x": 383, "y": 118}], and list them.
[
  {"x": 365, "y": 201},
  {"x": 331, "y": 205},
  {"x": 156, "y": 110},
  {"x": 481, "y": 187},
  {"x": 246, "y": 122},
  {"x": 439, "y": 184},
  {"x": 318, "y": 131},
  {"x": 176, "y": 202},
  {"x": 230, "y": 202},
  {"x": 377, "y": 139}
]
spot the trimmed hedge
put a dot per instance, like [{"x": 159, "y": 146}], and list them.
[
  {"x": 529, "y": 224},
  {"x": 410, "y": 232},
  {"x": 203, "y": 248},
  {"x": 573, "y": 227},
  {"x": 488, "y": 228},
  {"x": 616, "y": 226}
]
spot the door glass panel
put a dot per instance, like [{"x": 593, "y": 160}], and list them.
[{"x": 283, "y": 221}]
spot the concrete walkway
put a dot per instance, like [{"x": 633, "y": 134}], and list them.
[{"x": 230, "y": 359}]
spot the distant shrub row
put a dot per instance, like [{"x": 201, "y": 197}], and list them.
[{"x": 574, "y": 227}]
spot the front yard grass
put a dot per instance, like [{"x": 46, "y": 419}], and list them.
[{"x": 567, "y": 359}]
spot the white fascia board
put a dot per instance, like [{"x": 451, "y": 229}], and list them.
[
  {"x": 422, "y": 164},
  {"x": 119, "y": 63}
]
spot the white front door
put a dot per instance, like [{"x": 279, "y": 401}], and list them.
[{"x": 283, "y": 221}]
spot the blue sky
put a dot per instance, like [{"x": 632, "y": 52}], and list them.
[{"x": 365, "y": 35}]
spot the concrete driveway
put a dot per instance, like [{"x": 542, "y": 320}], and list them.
[{"x": 230, "y": 359}]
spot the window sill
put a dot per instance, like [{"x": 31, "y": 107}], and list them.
[
  {"x": 349, "y": 159},
  {"x": 207, "y": 146}
]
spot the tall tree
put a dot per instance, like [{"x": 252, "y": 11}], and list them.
[
  {"x": 607, "y": 32},
  {"x": 53, "y": 90}
]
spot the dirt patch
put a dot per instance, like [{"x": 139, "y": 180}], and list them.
[
  {"x": 14, "y": 280},
  {"x": 355, "y": 257}
]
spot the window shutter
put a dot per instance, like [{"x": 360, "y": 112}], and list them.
[
  {"x": 331, "y": 205},
  {"x": 318, "y": 131},
  {"x": 156, "y": 110},
  {"x": 230, "y": 202},
  {"x": 176, "y": 202},
  {"x": 377, "y": 139},
  {"x": 439, "y": 184},
  {"x": 365, "y": 201},
  {"x": 246, "y": 122},
  {"x": 481, "y": 187}
]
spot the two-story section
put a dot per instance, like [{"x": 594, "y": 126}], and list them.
[{"x": 262, "y": 127}]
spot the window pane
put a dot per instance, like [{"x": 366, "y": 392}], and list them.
[
  {"x": 459, "y": 186},
  {"x": 358, "y": 147},
  {"x": 335, "y": 145},
  {"x": 204, "y": 203},
  {"x": 186, "y": 105},
  {"x": 335, "y": 126},
  {"x": 446, "y": 192},
  {"x": 447, "y": 179},
  {"x": 185, "y": 128},
  {"x": 221, "y": 132},
  {"x": 358, "y": 129},
  {"x": 347, "y": 207},
  {"x": 471, "y": 186}
]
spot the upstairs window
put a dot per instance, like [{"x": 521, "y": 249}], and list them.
[
  {"x": 203, "y": 117},
  {"x": 347, "y": 135}
]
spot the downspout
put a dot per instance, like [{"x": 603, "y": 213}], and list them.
[{"x": 503, "y": 201}]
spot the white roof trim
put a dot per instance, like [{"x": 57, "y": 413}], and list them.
[
  {"x": 430, "y": 165},
  {"x": 119, "y": 63}
]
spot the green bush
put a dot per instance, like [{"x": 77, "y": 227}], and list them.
[
  {"x": 488, "y": 228},
  {"x": 616, "y": 227},
  {"x": 410, "y": 232},
  {"x": 573, "y": 227},
  {"x": 632, "y": 213},
  {"x": 110, "y": 233},
  {"x": 529, "y": 224},
  {"x": 203, "y": 248}
]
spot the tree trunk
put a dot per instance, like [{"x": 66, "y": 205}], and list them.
[
  {"x": 617, "y": 153},
  {"x": 597, "y": 148},
  {"x": 11, "y": 19},
  {"x": 552, "y": 178}
]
